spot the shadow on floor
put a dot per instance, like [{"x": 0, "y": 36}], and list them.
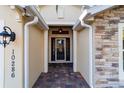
[{"x": 61, "y": 76}]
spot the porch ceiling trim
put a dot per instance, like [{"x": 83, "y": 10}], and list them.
[
  {"x": 78, "y": 26},
  {"x": 91, "y": 12},
  {"x": 34, "y": 12},
  {"x": 97, "y": 9}
]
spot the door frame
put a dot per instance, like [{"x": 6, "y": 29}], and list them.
[
  {"x": 121, "y": 70},
  {"x": 60, "y": 36},
  {"x": 60, "y": 61}
]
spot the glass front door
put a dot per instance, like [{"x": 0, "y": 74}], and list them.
[{"x": 60, "y": 49}]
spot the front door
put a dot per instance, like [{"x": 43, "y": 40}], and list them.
[{"x": 60, "y": 50}]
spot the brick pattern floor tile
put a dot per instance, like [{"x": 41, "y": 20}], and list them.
[{"x": 61, "y": 76}]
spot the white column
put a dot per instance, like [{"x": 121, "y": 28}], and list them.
[
  {"x": 26, "y": 51},
  {"x": 2, "y": 61},
  {"x": 91, "y": 56},
  {"x": 46, "y": 51},
  {"x": 26, "y": 58},
  {"x": 75, "y": 51}
]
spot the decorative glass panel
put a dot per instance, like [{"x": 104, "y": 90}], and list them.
[
  {"x": 52, "y": 49},
  {"x": 67, "y": 49},
  {"x": 57, "y": 32}
]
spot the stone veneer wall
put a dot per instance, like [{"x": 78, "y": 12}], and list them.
[{"x": 106, "y": 47}]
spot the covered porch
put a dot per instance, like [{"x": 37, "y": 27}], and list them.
[{"x": 56, "y": 57}]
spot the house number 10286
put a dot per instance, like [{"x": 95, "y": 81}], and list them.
[{"x": 13, "y": 64}]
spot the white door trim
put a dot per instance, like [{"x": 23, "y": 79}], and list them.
[
  {"x": 120, "y": 35},
  {"x": 2, "y": 55}
]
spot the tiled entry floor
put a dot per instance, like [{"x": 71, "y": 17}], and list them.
[{"x": 61, "y": 76}]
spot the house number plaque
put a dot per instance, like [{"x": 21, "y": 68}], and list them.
[{"x": 13, "y": 64}]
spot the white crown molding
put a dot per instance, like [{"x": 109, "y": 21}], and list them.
[
  {"x": 17, "y": 15},
  {"x": 58, "y": 23}
]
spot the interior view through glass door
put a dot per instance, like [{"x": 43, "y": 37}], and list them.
[{"x": 60, "y": 49}]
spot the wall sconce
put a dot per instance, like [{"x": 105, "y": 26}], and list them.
[{"x": 6, "y": 37}]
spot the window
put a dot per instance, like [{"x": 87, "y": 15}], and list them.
[{"x": 121, "y": 50}]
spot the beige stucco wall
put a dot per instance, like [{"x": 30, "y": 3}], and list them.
[
  {"x": 50, "y": 15},
  {"x": 9, "y": 16},
  {"x": 36, "y": 53},
  {"x": 83, "y": 54}
]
